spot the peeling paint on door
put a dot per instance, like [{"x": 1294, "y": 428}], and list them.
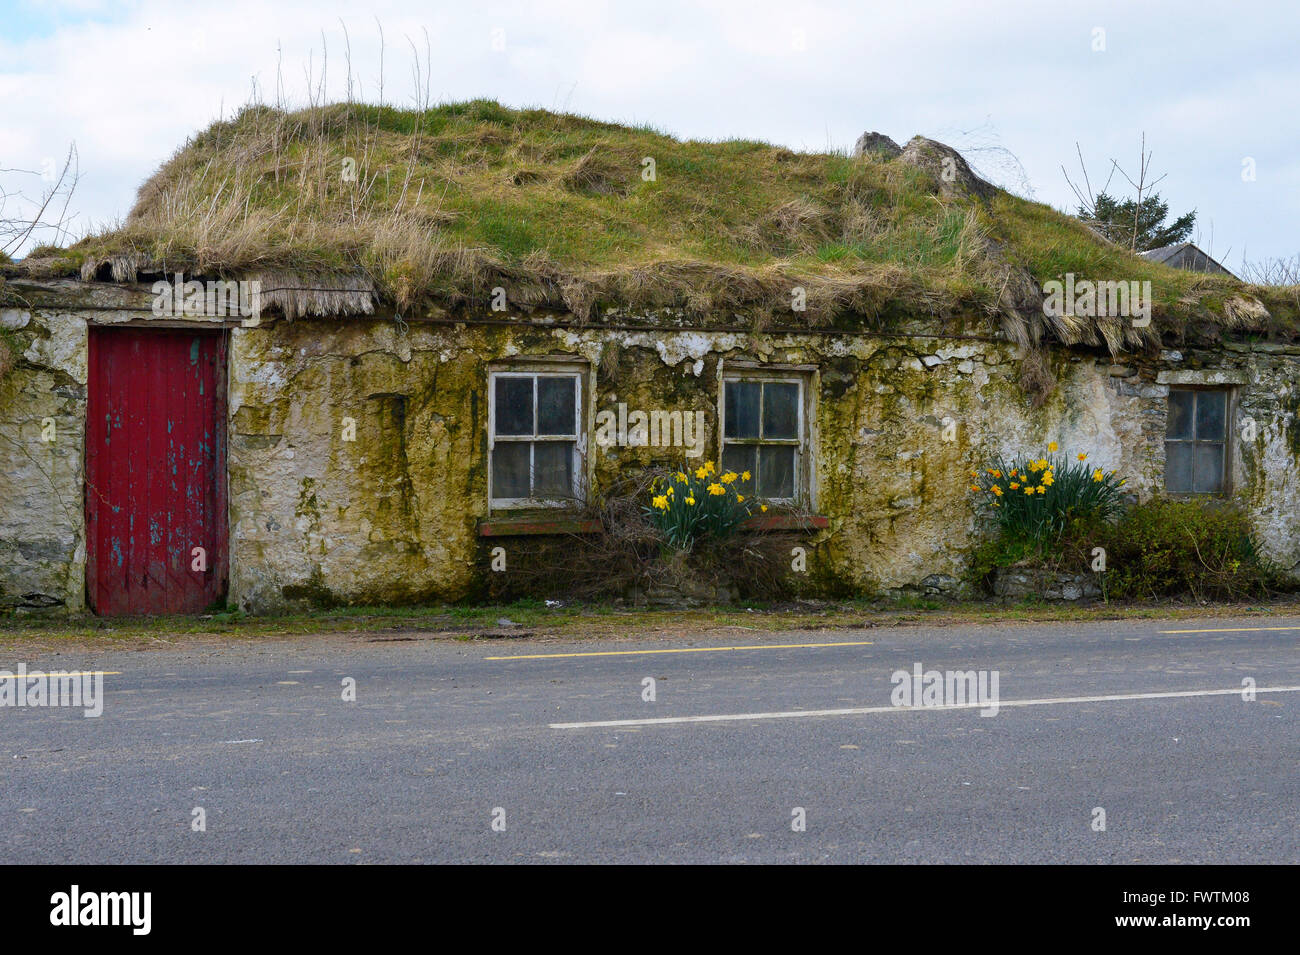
[{"x": 155, "y": 450}]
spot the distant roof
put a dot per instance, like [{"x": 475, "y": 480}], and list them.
[{"x": 1185, "y": 255}]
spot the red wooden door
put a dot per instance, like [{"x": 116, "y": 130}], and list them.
[{"x": 156, "y": 470}]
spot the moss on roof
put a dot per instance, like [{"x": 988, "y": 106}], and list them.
[{"x": 568, "y": 212}]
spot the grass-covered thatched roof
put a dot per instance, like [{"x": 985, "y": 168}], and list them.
[{"x": 570, "y": 213}]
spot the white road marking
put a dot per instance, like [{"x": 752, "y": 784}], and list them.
[{"x": 862, "y": 710}]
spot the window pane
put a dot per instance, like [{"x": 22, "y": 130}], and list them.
[
  {"x": 776, "y": 471},
  {"x": 1209, "y": 469},
  {"x": 553, "y": 469},
  {"x": 1211, "y": 408},
  {"x": 510, "y": 469},
  {"x": 1179, "y": 423},
  {"x": 741, "y": 409},
  {"x": 514, "y": 405},
  {"x": 1178, "y": 467},
  {"x": 555, "y": 405},
  {"x": 740, "y": 458},
  {"x": 780, "y": 410}
]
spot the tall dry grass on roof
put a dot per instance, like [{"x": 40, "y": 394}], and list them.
[
  {"x": 445, "y": 204},
  {"x": 435, "y": 208}
]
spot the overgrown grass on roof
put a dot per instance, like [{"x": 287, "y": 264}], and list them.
[
  {"x": 449, "y": 202},
  {"x": 564, "y": 211}
]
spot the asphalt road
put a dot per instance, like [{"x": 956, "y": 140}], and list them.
[{"x": 445, "y": 736}]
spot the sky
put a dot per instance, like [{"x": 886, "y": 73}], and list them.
[{"x": 1016, "y": 85}]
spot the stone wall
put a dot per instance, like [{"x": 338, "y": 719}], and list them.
[
  {"x": 393, "y": 516},
  {"x": 42, "y": 458}
]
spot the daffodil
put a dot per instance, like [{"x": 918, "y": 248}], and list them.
[
  {"x": 1041, "y": 489},
  {"x": 973, "y": 488},
  {"x": 1015, "y": 485},
  {"x": 682, "y": 478},
  {"x": 1048, "y": 479},
  {"x": 997, "y": 490},
  {"x": 1082, "y": 456},
  {"x": 660, "y": 502},
  {"x": 729, "y": 477},
  {"x": 740, "y": 498},
  {"x": 716, "y": 489},
  {"x": 1052, "y": 446},
  {"x": 1028, "y": 489},
  {"x": 690, "y": 500},
  {"x": 701, "y": 473},
  {"x": 1097, "y": 475},
  {"x": 744, "y": 475}
]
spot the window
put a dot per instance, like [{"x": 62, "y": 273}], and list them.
[
  {"x": 1196, "y": 434},
  {"x": 763, "y": 433},
  {"x": 533, "y": 449}
]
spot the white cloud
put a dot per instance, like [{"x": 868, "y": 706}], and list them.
[{"x": 130, "y": 82}]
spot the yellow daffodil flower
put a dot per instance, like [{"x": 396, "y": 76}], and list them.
[
  {"x": 1052, "y": 446},
  {"x": 1082, "y": 456}
]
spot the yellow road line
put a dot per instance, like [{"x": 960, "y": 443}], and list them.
[
  {"x": 1232, "y": 630},
  {"x": 31, "y": 673},
  {"x": 637, "y": 653}
]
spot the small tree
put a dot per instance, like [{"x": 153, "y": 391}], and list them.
[
  {"x": 36, "y": 216},
  {"x": 1136, "y": 222},
  {"x": 1141, "y": 226}
]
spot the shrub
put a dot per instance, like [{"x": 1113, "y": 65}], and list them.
[
  {"x": 1174, "y": 547},
  {"x": 1038, "y": 500}
]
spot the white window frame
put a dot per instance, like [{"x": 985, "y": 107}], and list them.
[
  {"x": 803, "y": 478},
  {"x": 578, "y": 373}
]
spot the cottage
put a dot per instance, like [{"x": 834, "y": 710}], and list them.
[
  {"x": 1185, "y": 255},
  {"x": 441, "y": 353}
]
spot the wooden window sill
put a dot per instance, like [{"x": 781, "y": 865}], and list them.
[{"x": 521, "y": 526}]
